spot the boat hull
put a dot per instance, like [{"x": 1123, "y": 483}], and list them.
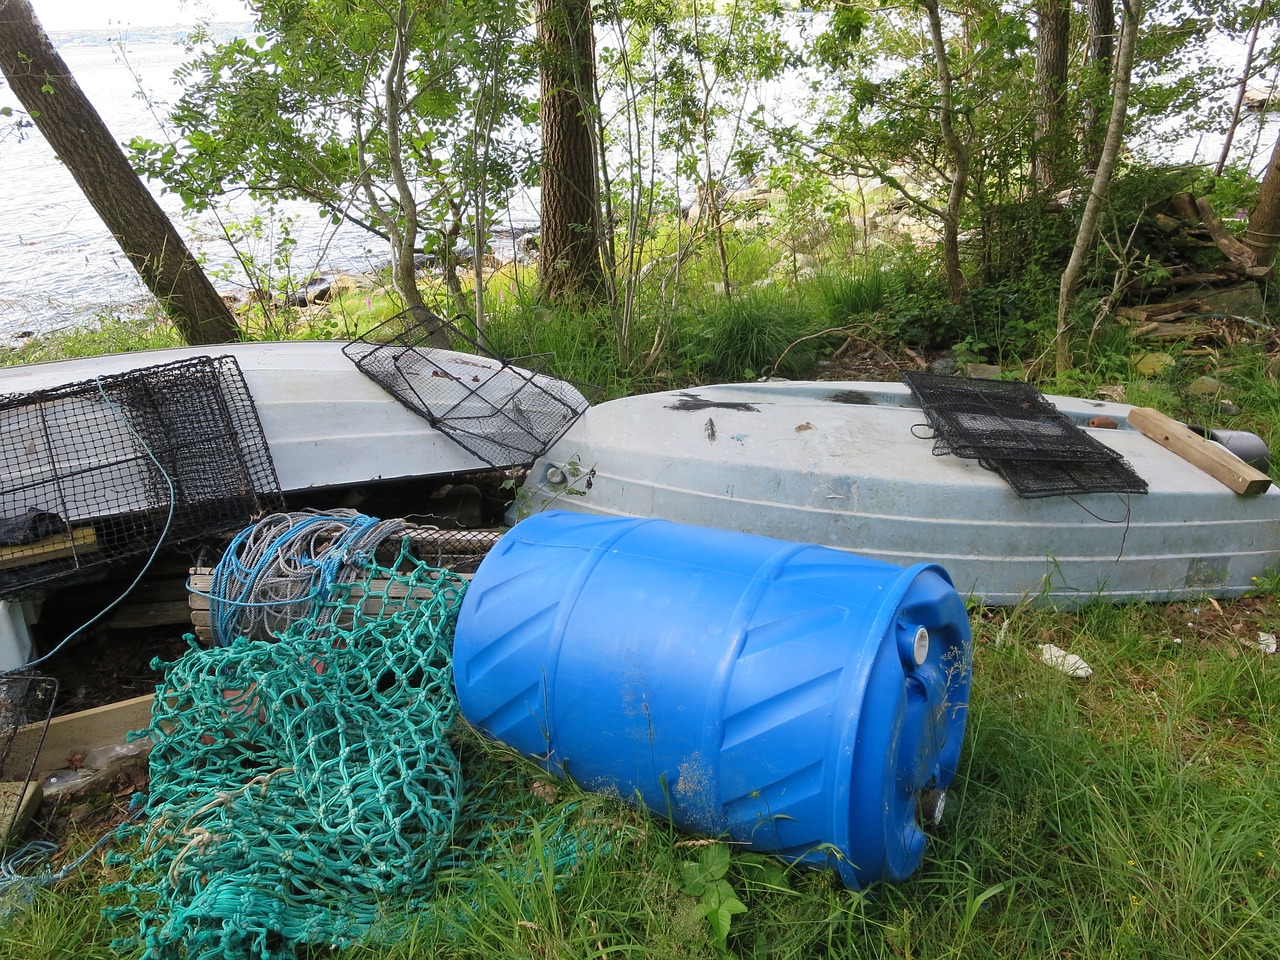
[
  {"x": 326, "y": 423},
  {"x": 851, "y": 466}
]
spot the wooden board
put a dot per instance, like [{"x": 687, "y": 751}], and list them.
[
  {"x": 76, "y": 733},
  {"x": 80, "y": 540},
  {"x": 1213, "y": 458}
]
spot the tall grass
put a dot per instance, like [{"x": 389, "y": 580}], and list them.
[
  {"x": 758, "y": 333},
  {"x": 1134, "y": 814}
]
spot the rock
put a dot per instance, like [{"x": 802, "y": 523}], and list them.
[
  {"x": 1206, "y": 387},
  {"x": 1152, "y": 364},
  {"x": 983, "y": 371},
  {"x": 944, "y": 366},
  {"x": 1241, "y": 300},
  {"x": 317, "y": 291}
]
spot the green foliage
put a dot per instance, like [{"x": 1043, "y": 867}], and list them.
[
  {"x": 109, "y": 335},
  {"x": 858, "y": 290},
  {"x": 299, "y": 112},
  {"x": 755, "y": 334},
  {"x": 1232, "y": 193},
  {"x": 717, "y": 901}
]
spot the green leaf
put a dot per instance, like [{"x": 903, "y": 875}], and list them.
[
  {"x": 694, "y": 879},
  {"x": 715, "y": 861},
  {"x": 720, "y": 904}
]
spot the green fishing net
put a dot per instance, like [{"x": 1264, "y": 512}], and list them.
[{"x": 299, "y": 787}]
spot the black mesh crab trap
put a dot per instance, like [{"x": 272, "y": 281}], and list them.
[
  {"x": 1011, "y": 428},
  {"x": 506, "y": 412},
  {"x": 97, "y": 471}
]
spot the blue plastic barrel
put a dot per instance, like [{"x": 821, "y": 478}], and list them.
[{"x": 801, "y": 700}]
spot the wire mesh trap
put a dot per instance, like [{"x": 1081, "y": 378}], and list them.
[
  {"x": 100, "y": 470},
  {"x": 26, "y": 700},
  {"x": 506, "y": 412},
  {"x": 1009, "y": 427}
]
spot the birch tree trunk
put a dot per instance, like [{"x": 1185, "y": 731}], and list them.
[{"x": 1101, "y": 181}]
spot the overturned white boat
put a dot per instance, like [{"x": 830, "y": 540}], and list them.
[
  {"x": 852, "y": 465},
  {"x": 102, "y": 458},
  {"x": 325, "y": 422}
]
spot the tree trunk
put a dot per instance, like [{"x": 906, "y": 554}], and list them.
[
  {"x": 1241, "y": 91},
  {"x": 1053, "y": 19},
  {"x": 43, "y": 84},
  {"x": 1102, "y": 47},
  {"x": 1101, "y": 182},
  {"x": 1263, "y": 233},
  {"x": 569, "y": 253},
  {"x": 959, "y": 150}
]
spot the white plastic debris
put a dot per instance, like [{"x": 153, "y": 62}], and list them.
[
  {"x": 1267, "y": 642},
  {"x": 1067, "y": 663}
]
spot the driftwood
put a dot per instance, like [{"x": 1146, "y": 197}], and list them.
[
  {"x": 1236, "y": 251},
  {"x": 1200, "y": 210}
]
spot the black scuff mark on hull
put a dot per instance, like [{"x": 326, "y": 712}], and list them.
[
  {"x": 851, "y": 396},
  {"x": 693, "y": 402}
]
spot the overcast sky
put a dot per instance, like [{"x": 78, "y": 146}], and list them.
[{"x": 93, "y": 14}]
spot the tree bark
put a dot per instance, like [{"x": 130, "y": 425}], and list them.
[
  {"x": 1101, "y": 181},
  {"x": 958, "y": 147},
  {"x": 569, "y": 254},
  {"x": 1263, "y": 233},
  {"x": 1101, "y": 53},
  {"x": 63, "y": 114},
  {"x": 1053, "y": 19}
]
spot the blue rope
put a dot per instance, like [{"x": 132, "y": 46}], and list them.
[
  {"x": 234, "y": 582},
  {"x": 21, "y": 873}
]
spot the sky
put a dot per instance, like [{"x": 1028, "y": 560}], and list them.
[{"x": 95, "y": 14}]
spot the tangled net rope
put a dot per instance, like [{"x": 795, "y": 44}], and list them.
[
  {"x": 298, "y": 785},
  {"x": 286, "y": 566}
]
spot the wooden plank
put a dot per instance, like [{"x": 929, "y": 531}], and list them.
[
  {"x": 1156, "y": 311},
  {"x": 1213, "y": 458},
  {"x": 76, "y": 733},
  {"x": 1169, "y": 330},
  {"x": 158, "y": 614},
  {"x": 373, "y": 596},
  {"x": 80, "y": 540},
  {"x": 198, "y": 598}
]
